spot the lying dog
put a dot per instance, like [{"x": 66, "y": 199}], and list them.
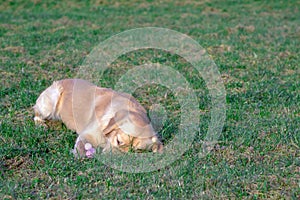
[{"x": 100, "y": 116}]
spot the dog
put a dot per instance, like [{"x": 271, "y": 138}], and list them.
[{"x": 101, "y": 117}]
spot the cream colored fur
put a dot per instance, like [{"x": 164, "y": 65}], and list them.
[{"x": 101, "y": 116}]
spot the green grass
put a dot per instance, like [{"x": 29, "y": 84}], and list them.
[{"x": 256, "y": 46}]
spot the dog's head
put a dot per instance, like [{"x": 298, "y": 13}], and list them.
[
  {"x": 120, "y": 134},
  {"x": 124, "y": 142},
  {"x": 45, "y": 107},
  {"x": 149, "y": 144}
]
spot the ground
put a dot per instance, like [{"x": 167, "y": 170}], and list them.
[{"x": 255, "y": 45}]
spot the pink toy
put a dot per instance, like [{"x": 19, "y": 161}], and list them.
[{"x": 89, "y": 150}]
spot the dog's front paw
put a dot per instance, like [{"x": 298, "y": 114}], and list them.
[{"x": 79, "y": 150}]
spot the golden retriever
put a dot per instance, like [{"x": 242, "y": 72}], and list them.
[{"x": 101, "y": 117}]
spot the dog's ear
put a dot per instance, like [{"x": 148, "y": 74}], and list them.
[{"x": 110, "y": 127}]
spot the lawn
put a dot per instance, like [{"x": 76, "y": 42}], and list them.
[{"x": 254, "y": 44}]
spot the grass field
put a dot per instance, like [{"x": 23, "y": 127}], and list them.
[{"x": 256, "y": 47}]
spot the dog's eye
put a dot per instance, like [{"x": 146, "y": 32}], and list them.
[{"x": 119, "y": 142}]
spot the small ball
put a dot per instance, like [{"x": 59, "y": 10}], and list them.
[{"x": 88, "y": 146}]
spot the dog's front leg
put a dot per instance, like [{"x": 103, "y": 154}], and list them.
[{"x": 79, "y": 150}]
